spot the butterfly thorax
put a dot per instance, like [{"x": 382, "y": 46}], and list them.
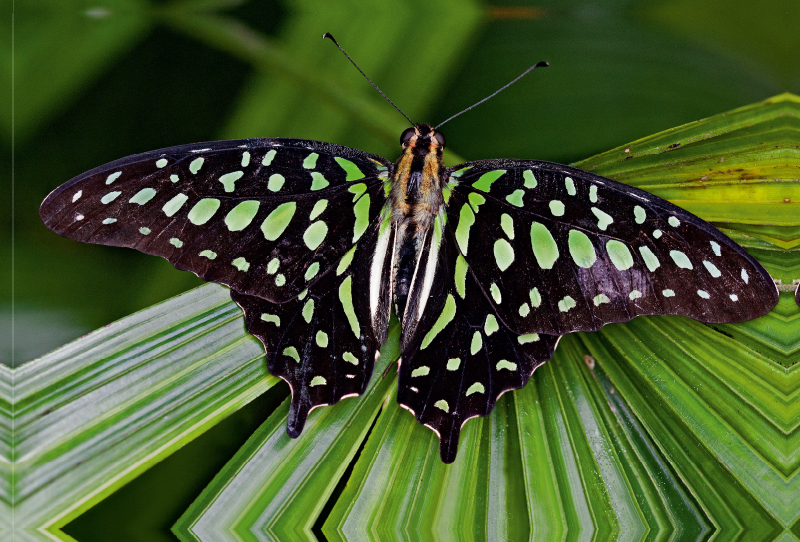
[{"x": 415, "y": 197}]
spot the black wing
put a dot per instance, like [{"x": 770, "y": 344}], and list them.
[
  {"x": 263, "y": 216},
  {"x": 557, "y": 249},
  {"x": 458, "y": 357},
  {"x": 290, "y": 225}
]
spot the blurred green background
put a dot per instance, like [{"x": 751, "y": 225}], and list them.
[{"x": 88, "y": 82}]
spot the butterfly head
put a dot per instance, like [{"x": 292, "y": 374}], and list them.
[{"x": 423, "y": 138}]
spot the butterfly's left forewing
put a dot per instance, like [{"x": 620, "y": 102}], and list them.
[
  {"x": 290, "y": 225},
  {"x": 263, "y": 216}
]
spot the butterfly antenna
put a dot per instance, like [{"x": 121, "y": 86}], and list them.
[
  {"x": 542, "y": 64},
  {"x": 328, "y": 35}
]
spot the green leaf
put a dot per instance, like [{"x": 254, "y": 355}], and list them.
[
  {"x": 97, "y": 412},
  {"x": 655, "y": 429}
]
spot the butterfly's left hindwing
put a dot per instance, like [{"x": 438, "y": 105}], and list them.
[
  {"x": 263, "y": 216},
  {"x": 557, "y": 249}
]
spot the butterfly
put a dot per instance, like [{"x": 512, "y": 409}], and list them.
[{"x": 486, "y": 264}]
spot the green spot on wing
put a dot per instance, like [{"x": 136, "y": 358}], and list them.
[
  {"x": 544, "y": 246},
  {"x": 172, "y": 206},
  {"x": 210, "y": 254},
  {"x": 421, "y": 371},
  {"x": 557, "y": 208},
  {"x": 603, "y": 219},
  {"x": 515, "y": 198},
  {"x": 495, "y": 291},
  {"x": 241, "y": 264},
  {"x": 318, "y": 381},
  {"x": 453, "y": 364},
  {"x": 507, "y": 224},
  {"x": 315, "y": 234},
  {"x": 680, "y": 259},
  {"x": 536, "y": 298},
  {"x": 465, "y": 221},
  {"x": 292, "y": 353},
  {"x": 311, "y": 161},
  {"x": 318, "y": 181},
  {"x": 273, "y": 265},
  {"x": 312, "y": 271},
  {"x": 144, "y": 231},
  {"x": 177, "y": 243},
  {"x": 268, "y": 157},
  {"x": 271, "y": 319},
  {"x": 143, "y": 196},
  {"x": 650, "y": 259},
  {"x": 503, "y": 254},
  {"x": 620, "y": 255},
  {"x": 530, "y": 180},
  {"x": 461, "y": 276},
  {"x": 477, "y": 342},
  {"x": 242, "y": 215},
  {"x": 277, "y": 221},
  {"x": 357, "y": 189},
  {"x": 458, "y": 173},
  {"x": 203, "y": 210},
  {"x": 491, "y": 325},
  {"x": 361, "y": 210},
  {"x": 476, "y": 200},
  {"x": 442, "y": 405},
  {"x": 344, "y": 263},
  {"x": 505, "y": 364},
  {"x": 318, "y": 209},
  {"x": 275, "y": 182},
  {"x": 639, "y": 214},
  {"x": 350, "y": 358},
  {"x": 308, "y": 311},
  {"x": 566, "y": 304},
  {"x": 108, "y": 198},
  {"x": 353, "y": 173},
  {"x": 322, "y": 339},
  {"x": 447, "y": 315},
  {"x": 599, "y": 299},
  {"x": 196, "y": 164},
  {"x": 528, "y": 338},
  {"x": 570, "y": 185},
  {"x": 477, "y": 387},
  {"x": 581, "y": 249},
  {"x": 485, "y": 181},
  {"x": 346, "y": 298},
  {"x": 229, "y": 179}
]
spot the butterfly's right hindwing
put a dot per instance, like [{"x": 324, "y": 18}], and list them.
[{"x": 264, "y": 216}]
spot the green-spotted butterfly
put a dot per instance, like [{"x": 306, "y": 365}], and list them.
[{"x": 486, "y": 263}]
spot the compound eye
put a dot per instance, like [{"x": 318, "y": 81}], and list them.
[
  {"x": 406, "y": 136},
  {"x": 440, "y": 138}
]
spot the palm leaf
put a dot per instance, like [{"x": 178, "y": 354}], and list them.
[{"x": 661, "y": 428}]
